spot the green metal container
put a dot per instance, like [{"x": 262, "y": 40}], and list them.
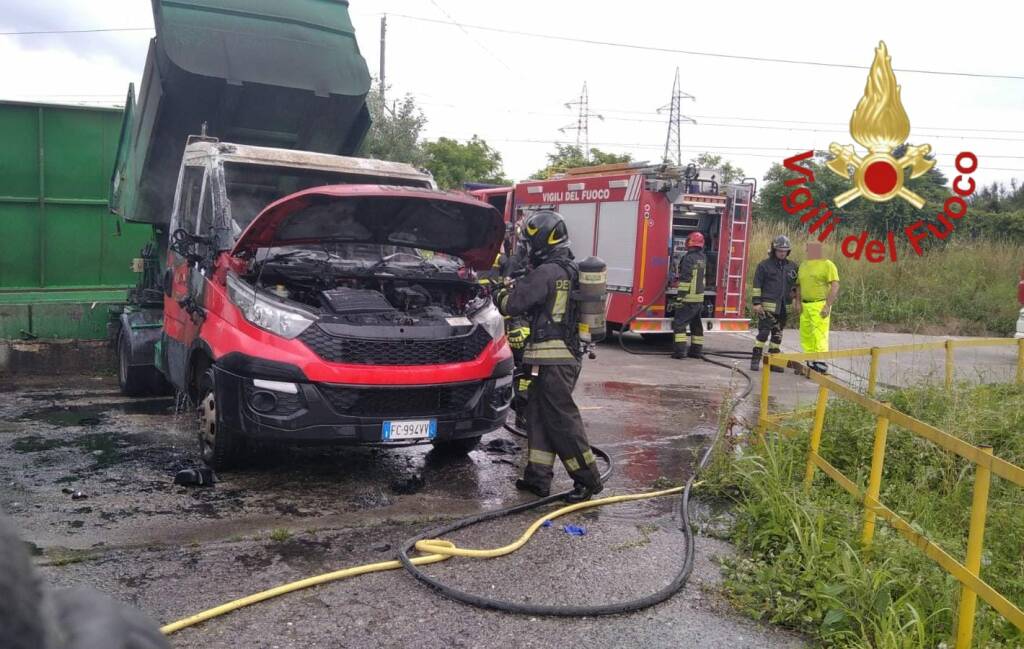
[{"x": 64, "y": 259}]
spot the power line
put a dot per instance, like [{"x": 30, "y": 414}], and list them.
[
  {"x": 78, "y": 31},
  {"x": 470, "y": 36},
  {"x": 740, "y": 57},
  {"x": 604, "y": 112},
  {"x": 724, "y": 150}
]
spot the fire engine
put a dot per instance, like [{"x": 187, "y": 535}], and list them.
[{"x": 636, "y": 217}]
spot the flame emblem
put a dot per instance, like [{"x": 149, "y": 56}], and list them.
[{"x": 880, "y": 124}]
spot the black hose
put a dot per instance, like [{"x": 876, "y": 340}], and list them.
[{"x": 661, "y": 595}]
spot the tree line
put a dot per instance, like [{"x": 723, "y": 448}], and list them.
[{"x": 996, "y": 211}]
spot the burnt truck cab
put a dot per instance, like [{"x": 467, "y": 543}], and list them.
[{"x": 318, "y": 298}]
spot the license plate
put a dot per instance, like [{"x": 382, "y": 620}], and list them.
[{"x": 412, "y": 429}]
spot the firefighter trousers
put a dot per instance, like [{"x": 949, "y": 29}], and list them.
[
  {"x": 688, "y": 315},
  {"x": 555, "y": 429},
  {"x": 771, "y": 325}
]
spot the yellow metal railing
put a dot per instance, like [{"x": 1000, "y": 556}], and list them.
[{"x": 967, "y": 573}]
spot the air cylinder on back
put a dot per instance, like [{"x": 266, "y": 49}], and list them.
[{"x": 593, "y": 289}]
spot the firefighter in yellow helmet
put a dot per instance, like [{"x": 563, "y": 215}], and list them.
[{"x": 553, "y": 354}]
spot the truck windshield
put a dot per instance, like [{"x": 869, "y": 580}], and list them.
[{"x": 251, "y": 187}]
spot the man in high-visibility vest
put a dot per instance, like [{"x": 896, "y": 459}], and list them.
[
  {"x": 817, "y": 290},
  {"x": 690, "y": 300}
]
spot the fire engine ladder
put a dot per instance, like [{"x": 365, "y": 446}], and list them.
[{"x": 739, "y": 222}]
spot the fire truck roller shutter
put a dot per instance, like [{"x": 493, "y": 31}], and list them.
[
  {"x": 580, "y": 219},
  {"x": 616, "y": 241}
]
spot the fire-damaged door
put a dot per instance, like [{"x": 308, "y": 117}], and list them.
[{"x": 184, "y": 280}]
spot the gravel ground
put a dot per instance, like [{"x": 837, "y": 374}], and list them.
[{"x": 174, "y": 551}]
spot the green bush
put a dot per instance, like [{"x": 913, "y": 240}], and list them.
[
  {"x": 965, "y": 288},
  {"x": 802, "y": 563}
]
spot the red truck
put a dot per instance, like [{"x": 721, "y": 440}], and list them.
[
  {"x": 636, "y": 217},
  {"x": 293, "y": 294}
]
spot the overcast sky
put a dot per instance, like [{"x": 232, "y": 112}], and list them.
[{"x": 511, "y": 89}]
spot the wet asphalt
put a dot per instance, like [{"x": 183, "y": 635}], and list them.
[{"x": 87, "y": 476}]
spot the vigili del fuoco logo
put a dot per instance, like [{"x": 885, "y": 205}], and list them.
[{"x": 880, "y": 125}]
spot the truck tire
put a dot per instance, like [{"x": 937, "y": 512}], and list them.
[
  {"x": 219, "y": 446},
  {"x": 136, "y": 380},
  {"x": 457, "y": 447}
]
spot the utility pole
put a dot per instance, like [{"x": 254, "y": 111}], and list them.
[
  {"x": 582, "y": 126},
  {"x": 383, "y": 31},
  {"x": 674, "y": 140}
]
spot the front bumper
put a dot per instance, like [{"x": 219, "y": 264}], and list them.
[{"x": 355, "y": 414}]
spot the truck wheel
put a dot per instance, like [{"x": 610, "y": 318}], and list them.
[
  {"x": 456, "y": 447},
  {"x": 136, "y": 380},
  {"x": 219, "y": 446}
]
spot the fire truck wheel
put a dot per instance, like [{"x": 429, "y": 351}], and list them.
[
  {"x": 456, "y": 447},
  {"x": 136, "y": 380},
  {"x": 219, "y": 446}
]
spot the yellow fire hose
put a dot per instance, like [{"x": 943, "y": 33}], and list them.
[{"x": 438, "y": 550}]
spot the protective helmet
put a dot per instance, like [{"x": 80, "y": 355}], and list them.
[
  {"x": 781, "y": 242},
  {"x": 545, "y": 232},
  {"x": 695, "y": 240}
]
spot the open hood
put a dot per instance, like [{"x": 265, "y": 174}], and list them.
[{"x": 454, "y": 224}]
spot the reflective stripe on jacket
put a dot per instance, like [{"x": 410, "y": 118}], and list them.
[
  {"x": 775, "y": 282},
  {"x": 692, "y": 268}
]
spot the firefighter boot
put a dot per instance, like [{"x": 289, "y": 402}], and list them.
[
  {"x": 679, "y": 350},
  {"x": 755, "y": 359},
  {"x": 696, "y": 351}
]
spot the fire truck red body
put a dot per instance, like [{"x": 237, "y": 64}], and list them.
[{"x": 636, "y": 217}]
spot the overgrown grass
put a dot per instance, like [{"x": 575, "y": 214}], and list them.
[
  {"x": 966, "y": 288},
  {"x": 802, "y": 563},
  {"x": 280, "y": 534}
]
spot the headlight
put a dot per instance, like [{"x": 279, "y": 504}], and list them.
[
  {"x": 491, "y": 320},
  {"x": 276, "y": 317}
]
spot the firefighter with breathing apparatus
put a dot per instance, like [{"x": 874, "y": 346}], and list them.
[
  {"x": 559, "y": 299},
  {"x": 690, "y": 300},
  {"x": 775, "y": 284}
]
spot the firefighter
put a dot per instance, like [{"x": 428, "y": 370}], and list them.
[
  {"x": 690, "y": 300},
  {"x": 775, "y": 284},
  {"x": 552, "y": 359}
]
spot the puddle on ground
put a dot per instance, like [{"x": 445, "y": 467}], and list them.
[
  {"x": 94, "y": 415},
  {"x": 105, "y": 448},
  {"x": 662, "y": 395}
]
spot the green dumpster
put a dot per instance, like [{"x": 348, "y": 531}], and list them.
[{"x": 65, "y": 261}]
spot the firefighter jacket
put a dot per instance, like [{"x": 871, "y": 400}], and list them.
[
  {"x": 544, "y": 296},
  {"x": 774, "y": 284},
  {"x": 692, "y": 267}
]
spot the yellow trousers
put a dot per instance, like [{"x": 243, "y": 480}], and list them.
[{"x": 813, "y": 327}]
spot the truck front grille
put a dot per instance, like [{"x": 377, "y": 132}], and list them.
[
  {"x": 380, "y": 351},
  {"x": 401, "y": 401}
]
